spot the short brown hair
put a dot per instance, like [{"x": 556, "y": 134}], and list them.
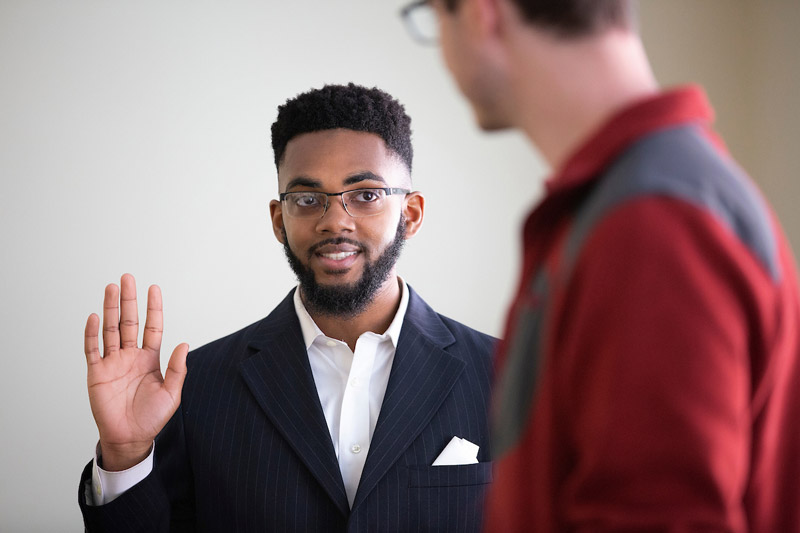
[{"x": 573, "y": 18}]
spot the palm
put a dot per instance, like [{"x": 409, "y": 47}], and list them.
[
  {"x": 127, "y": 396},
  {"x": 130, "y": 399}
]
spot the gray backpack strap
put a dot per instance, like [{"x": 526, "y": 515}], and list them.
[
  {"x": 681, "y": 163},
  {"x": 650, "y": 167},
  {"x": 515, "y": 387}
]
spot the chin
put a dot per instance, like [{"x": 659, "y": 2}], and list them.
[
  {"x": 337, "y": 278},
  {"x": 486, "y": 125},
  {"x": 488, "y": 116},
  {"x": 488, "y": 121},
  {"x": 489, "y": 105}
]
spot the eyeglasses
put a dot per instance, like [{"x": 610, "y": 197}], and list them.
[
  {"x": 357, "y": 202},
  {"x": 420, "y": 20}
]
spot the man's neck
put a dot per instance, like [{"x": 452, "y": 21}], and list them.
[
  {"x": 573, "y": 87},
  {"x": 376, "y": 317}
]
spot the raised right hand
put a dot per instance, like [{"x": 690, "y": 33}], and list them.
[{"x": 131, "y": 401}]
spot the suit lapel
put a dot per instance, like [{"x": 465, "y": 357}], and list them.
[
  {"x": 279, "y": 376},
  {"x": 422, "y": 376}
]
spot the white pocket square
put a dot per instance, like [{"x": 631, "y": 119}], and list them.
[{"x": 458, "y": 452}]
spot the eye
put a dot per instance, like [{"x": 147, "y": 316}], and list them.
[
  {"x": 366, "y": 196},
  {"x": 305, "y": 200}
]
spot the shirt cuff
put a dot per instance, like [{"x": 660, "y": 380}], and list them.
[{"x": 108, "y": 486}]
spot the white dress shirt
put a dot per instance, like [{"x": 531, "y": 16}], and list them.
[{"x": 351, "y": 386}]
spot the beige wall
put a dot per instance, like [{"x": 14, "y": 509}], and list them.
[
  {"x": 746, "y": 54},
  {"x": 775, "y": 84}
]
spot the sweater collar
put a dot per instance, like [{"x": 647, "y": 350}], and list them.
[{"x": 664, "y": 110}]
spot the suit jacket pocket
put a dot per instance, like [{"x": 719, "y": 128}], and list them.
[{"x": 450, "y": 476}]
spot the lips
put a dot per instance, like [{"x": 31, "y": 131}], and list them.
[{"x": 336, "y": 256}]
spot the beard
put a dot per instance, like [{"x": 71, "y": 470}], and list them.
[{"x": 347, "y": 300}]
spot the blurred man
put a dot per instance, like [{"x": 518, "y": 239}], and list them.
[
  {"x": 650, "y": 375},
  {"x": 352, "y": 407}
]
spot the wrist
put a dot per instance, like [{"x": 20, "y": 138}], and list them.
[{"x": 119, "y": 457}]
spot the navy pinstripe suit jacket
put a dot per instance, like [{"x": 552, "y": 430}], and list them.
[{"x": 249, "y": 448}]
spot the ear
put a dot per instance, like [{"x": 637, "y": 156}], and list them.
[
  {"x": 414, "y": 212},
  {"x": 276, "y": 214},
  {"x": 483, "y": 17}
]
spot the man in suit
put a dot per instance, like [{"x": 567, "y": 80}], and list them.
[
  {"x": 327, "y": 415},
  {"x": 650, "y": 373}
]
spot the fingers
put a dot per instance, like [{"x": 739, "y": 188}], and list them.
[
  {"x": 90, "y": 342},
  {"x": 154, "y": 323},
  {"x": 111, "y": 320},
  {"x": 129, "y": 319},
  {"x": 176, "y": 371}
]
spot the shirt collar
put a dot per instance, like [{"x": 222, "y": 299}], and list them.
[
  {"x": 663, "y": 110},
  {"x": 311, "y": 331}
]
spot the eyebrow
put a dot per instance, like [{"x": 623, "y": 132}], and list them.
[
  {"x": 304, "y": 181},
  {"x": 363, "y": 176}
]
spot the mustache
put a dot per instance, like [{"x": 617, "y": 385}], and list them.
[{"x": 335, "y": 241}]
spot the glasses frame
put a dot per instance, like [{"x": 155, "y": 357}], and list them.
[
  {"x": 389, "y": 191},
  {"x": 406, "y": 14}
]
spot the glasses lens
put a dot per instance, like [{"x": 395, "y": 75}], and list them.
[
  {"x": 364, "y": 202},
  {"x": 305, "y": 204},
  {"x": 422, "y": 23}
]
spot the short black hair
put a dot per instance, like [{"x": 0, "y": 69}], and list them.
[
  {"x": 350, "y": 106},
  {"x": 573, "y": 18}
]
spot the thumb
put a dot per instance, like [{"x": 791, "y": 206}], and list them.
[{"x": 176, "y": 371}]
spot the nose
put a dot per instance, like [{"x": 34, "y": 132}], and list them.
[{"x": 336, "y": 219}]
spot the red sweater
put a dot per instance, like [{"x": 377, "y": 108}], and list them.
[{"x": 650, "y": 377}]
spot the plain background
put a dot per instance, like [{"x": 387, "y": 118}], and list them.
[{"x": 134, "y": 137}]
